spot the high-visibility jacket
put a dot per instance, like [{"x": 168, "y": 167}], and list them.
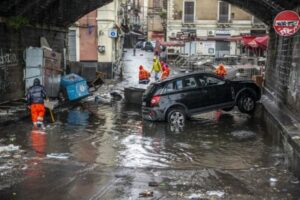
[
  {"x": 156, "y": 66},
  {"x": 143, "y": 74},
  {"x": 165, "y": 73},
  {"x": 221, "y": 71}
]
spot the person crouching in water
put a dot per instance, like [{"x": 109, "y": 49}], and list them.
[
  {"x": 156, "y": 67},
  {"x": 35, "y": 99},
  {"x": 166, "y": 72},
  {"x": 144, "y": 75},
  {"x": 221, "y": 71}
]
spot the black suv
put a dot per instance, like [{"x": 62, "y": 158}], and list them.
[{"x": 177, "y": 98}]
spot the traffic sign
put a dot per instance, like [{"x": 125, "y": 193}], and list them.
[
  {"x": 287, "y": 23},
  {"x": 113, "y": 33}
]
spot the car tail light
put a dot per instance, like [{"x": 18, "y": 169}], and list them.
[{"x": 154, "y": 101}]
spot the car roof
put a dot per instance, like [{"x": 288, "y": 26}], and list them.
[{"x": 184, "y": 75}]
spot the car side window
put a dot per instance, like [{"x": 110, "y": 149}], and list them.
[
  {"x": 210, "y": 80},
  {"x": 179, "y": 84},
  {"x": 169, "y": 87},
  {"x": 189, "y": 83},
  {"x": 202, "y": 81}
]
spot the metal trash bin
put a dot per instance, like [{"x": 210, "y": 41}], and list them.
[
  {"x": 75, "y": 87},
  {"x": 133, "y": 95}
]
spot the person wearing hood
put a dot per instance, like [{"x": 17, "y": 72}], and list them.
[
  {"x": 35, "y": 99},
  {"x": 221, "y": 71},
  {"x": 144, "y": 75},
  {"x": 156, "y": 67}
]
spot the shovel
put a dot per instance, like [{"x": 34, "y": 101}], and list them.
[{"x": 50, "y": 105}]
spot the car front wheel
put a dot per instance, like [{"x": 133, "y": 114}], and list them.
[
  {"x": 177, "y": 116},
  {"x": 246, "y": 103}
]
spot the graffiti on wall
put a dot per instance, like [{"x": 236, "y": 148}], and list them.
[{"x": 9, "y": 73}]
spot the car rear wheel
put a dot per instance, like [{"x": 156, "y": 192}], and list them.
[
  {"x": 246, "y": 103},
  {"x": 177, "y": 116}
]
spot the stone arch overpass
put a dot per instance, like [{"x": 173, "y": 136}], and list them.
[
  {"x": 51, "y": 18},
  {"x": 62, "y": 13}
]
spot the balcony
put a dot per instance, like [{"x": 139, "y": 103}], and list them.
[
  {"x": 188, "y": 19},
  {"x": 224, "y": 19}
]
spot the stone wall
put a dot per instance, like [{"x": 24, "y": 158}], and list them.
[
  {"x": 12, "y": 45},
  {"x": 283, "y": 70}
]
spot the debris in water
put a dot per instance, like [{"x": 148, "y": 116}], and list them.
[
  {"x": 294, "y": 180},
  {"x": 296, "y": 137},
  {"x": 62, "y": 156},
  {"x": 146, "y": 194},
  {"x": 196, "y": 197},
  {"x": 9, "y": 148},
  {"x": 116, "y": 95},
  {"x": 153, "y": 184},
  {"x": 273, "y": 181},
  {"x": 243, "y": 135},
  {"x": 215, "y": 193}
]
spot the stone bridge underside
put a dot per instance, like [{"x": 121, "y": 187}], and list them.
[{"x": 62, "y": 13}]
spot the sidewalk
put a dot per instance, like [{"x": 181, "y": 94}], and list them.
[{"x": 281, "y": 122}]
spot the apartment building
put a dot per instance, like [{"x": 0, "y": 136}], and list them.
[
  {"x": 96, "y": 39},
  {"x": 156, "y": 23},
  {"x": 210, "y": 27}
]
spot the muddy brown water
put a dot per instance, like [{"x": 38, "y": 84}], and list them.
[{"x": 114, "y": 154}]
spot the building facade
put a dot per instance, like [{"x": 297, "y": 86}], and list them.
[
  {"x": 96, "y": 39},
  {"x": 156, "y": 19},
  {"x": 210, "y": 27}
]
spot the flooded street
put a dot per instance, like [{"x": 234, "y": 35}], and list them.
[{"x": 113, "y": 154}]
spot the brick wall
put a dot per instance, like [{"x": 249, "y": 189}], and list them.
[
  {"x": 12, "y": 45},
  {"x": 282, "y": 70}
]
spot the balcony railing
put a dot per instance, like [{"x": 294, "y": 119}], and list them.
[
  {"x": 188, "y": 18},
  {"x": 223, "y": 19}
]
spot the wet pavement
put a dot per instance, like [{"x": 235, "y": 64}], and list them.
[{"x": 107, "y": 151}]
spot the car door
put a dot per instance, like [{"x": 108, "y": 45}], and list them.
[
  {"x": 220, "y": 91},
  {"x": 195, "y": 96}
]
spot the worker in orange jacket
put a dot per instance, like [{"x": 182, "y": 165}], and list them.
[
  {"x": 144, "y": 75},
  {"x": 221, "y": 71},
  {"x": 166, "y": 72}
]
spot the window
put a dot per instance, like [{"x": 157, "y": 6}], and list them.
[
  {"x": 189, "y": 11},
  {"x": 189, "y": 83},
  {"x": 202, "y": 81},
  {"x": 169, "y": 87},
  {"x": 210, "y": 80},
  {"x": 179, "y": 85},
  {"x": 223, "y": 12}
]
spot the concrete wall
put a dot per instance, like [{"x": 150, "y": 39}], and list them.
[
  {"x": 283, "y": 70},
  {"x": 12, "y": 45}
]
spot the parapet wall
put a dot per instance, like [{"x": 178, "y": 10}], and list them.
[{"x": 282, "y": 79}]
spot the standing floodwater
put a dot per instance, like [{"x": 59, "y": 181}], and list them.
[{"x": 111, "y": 153}]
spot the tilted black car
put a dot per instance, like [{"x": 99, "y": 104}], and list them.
[{"x": 177, "y": 98}]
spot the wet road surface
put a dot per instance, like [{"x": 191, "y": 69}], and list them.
[{"x": 113, "y": 154}]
